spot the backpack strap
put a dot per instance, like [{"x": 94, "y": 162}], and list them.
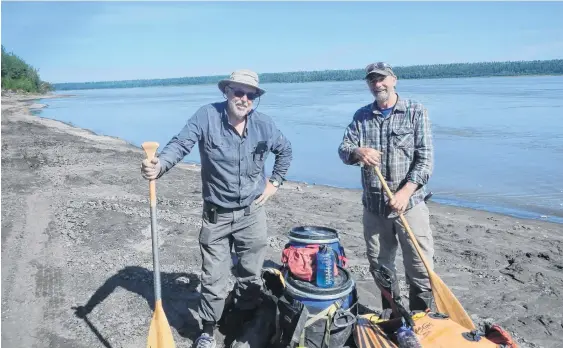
[
  {"x": 328, "y": 314},
  {"x": 329, "y": 318},
  {"x": 299, "y": 333}
]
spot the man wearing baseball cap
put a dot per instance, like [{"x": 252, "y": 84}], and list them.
[
  {"x": 394, "y": 134},
  {"x": 234, "y": 142}
]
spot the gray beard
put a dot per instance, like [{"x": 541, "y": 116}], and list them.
[
  {"x": 382, "y": 97},
  {"x": 234, "y": 110}
]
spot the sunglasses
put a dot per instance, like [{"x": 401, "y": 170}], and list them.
[
  {"x": 240, "y": 93},
  {"x": 376, "y": 78},
  {"x": 379, "y": 65}
]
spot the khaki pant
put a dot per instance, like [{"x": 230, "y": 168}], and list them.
[
  {"x": 384, "y": 235},
  {"x": 246, "y": 231}
]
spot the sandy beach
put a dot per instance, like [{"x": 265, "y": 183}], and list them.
[{"x": 76, "y": 232}]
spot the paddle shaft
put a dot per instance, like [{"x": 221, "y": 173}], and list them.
[
  {"x": 150, "y": 151},
  {"x": 404, "y": 221},
  {"x": 154, "y": 233}
]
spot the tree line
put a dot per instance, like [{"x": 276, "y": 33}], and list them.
[
  {"x": 433, "y": 71},
  {"x": 17, "y": 75}
]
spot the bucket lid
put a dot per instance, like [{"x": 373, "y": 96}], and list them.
[
  {"x": 343, "y": 284},
  {"x": 313, "y": 234}
]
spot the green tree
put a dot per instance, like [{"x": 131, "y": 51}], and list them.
[{"x": 17, "y": 75}]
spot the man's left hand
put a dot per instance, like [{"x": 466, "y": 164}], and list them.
[
  {"x": 268, "y": 192},
  {"x": 400, "y": 200}
]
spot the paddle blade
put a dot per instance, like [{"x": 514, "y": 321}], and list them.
[
  {"x": 447, "y": 303},
  {"x": 160, "y": 334},
  {"x": 369, "y": 335}
]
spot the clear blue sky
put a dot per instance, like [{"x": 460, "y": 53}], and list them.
[{"x": 100, "y": 41}]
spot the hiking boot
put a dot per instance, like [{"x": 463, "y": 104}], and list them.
[
  {"x": 387, "y": 282},
  {"x": 205, "y": 341}
]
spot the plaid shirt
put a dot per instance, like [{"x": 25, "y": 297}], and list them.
[{"x": 405, "y": 141}]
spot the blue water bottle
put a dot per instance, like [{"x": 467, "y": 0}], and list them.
[
  {"x": 407, "y": 338},
  {"x": 325, "y": 267}
]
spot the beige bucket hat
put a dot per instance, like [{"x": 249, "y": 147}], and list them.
[{"x": 245, "y": 77}]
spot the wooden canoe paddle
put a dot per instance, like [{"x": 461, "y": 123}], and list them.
[
  {"x": 160, "y": 334},
  {"x": 445, "y": 300}
]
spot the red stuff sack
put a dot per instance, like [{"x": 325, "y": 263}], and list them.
[
  {"x": 301, "y": 261},
  {"x": 498, "y": 335}
]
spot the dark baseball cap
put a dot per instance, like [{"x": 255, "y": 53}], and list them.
[{"x": 379, "y": 68}]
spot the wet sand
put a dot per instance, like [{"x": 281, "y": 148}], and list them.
[{"x": 76, "y": 232}]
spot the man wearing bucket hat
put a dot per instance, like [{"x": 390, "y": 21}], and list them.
[
  {"x": 234, "y": 141},
  {"x": 394, "y": 134}
]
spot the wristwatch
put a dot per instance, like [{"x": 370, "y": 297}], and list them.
[{"x": 275, "y": 182}]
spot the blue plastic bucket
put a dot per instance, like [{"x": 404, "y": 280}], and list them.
[
  {"x": 317, "y": 299},
  {"x": 308, "y": 235}
]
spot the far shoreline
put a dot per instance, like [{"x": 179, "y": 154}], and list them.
[
  {"x": 284, "y": 82},
  {"x": 436, "y": 199}
]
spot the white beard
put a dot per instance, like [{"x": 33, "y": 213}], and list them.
[{"x": 237, "y": 112}]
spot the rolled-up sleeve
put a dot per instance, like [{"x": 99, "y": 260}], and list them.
[
  {"x": 281, "y": 148},
  {"x": 350, "y": 142},
  {"x": 424, "y": 150},
  {"x": 182, "y": 143}
]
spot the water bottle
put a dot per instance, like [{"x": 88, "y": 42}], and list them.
[
  {"x": 325, "y": 267},
  {"x": 407, "y": 338}
]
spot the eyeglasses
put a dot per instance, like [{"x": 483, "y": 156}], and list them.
[{"x": 240, "y": 93}]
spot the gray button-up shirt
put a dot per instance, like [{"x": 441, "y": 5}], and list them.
[
  {"x": 232, "y": 166},
  {"x": 407, "y": 154}
]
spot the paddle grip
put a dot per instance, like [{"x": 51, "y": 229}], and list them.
[{"x": 150, "y": 150}]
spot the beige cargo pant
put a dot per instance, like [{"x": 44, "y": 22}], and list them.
[
  {"x": 383, "y": 236},
  {"x": 247, "y": 230}
]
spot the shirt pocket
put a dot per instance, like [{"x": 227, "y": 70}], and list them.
[
  {"x": 402, "y": 137},
  {"x": 219, "y": 150},
  {"x": 258, "y": 157}
]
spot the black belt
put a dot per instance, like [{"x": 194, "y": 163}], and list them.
[{"x": 222, "y": 210}]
